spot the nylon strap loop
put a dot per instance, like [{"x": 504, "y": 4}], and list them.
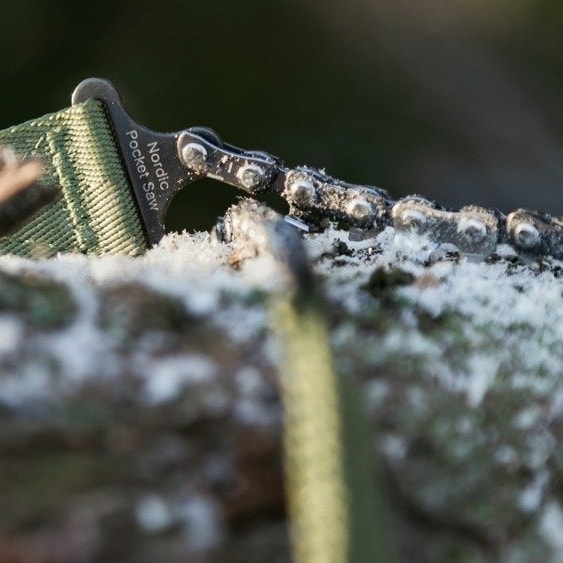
[
  {"x": 337, "y": 515},
  {"x": 97, "y": 213}
]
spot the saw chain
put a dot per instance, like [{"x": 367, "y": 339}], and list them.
[
  {"x": 160, "y": 164},
  {"x": 315, "y": 198}
]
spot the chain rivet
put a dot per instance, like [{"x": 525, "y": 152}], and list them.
[
  {"x": 472, "y": 230},
  {"x": 251, "y": 176},
  {"x": 360, "y": 210},
  {"x": 194, "y": 156},
  {"x": 413, "y": 220},
  {"x": 526, "y": 236},
  {"x": 302, "y": 192}
]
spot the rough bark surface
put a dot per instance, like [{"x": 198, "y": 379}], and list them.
[{"x": 140, "y": 418}]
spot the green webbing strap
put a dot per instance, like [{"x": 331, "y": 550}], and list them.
[
  {"x": 336, "y": 513},
  {"x": 97, "y": 212}
]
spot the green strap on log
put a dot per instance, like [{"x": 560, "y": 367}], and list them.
[
  {"x": 336, "y": 513},
  {"x": 97, "y": 213}
]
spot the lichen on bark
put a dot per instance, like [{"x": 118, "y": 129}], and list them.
[{"x": 140, "y": 412}]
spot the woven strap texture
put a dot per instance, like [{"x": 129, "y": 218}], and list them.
[
  {"x": 97, "y": 213},
  {"x": 337, "y": 514}
]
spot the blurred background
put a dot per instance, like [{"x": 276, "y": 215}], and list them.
[{"x": 459, "y": 101}]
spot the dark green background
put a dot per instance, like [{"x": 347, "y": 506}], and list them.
[{"x": 461, "y": 103}]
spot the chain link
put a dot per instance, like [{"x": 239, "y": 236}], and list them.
[{"x": 315, "y": 198}]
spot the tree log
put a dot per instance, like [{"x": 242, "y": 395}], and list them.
[{"x": 141, "y": 419}]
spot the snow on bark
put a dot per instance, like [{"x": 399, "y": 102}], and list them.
[{"x": 138, "y": 396}]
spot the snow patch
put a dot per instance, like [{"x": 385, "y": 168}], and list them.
[
  {"x": 523, "y": 305},
  {"x": 482, "y": 371},
  {"x": 153, "y": 514},
  {"x": 11, "y": 334},
  {"x": 531, "y": 497},
  {"x": 202, "y": 522},
  {"x": 197, "y": 516},
  {"x": 252, "y": 405},
  {"x": 167, "y": 377},
  {"x": 551, "y": 529},
  {"x": 394, "y": 447}
]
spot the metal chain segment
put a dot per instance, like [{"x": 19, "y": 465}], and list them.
[{"x": 314, "y": 198}]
